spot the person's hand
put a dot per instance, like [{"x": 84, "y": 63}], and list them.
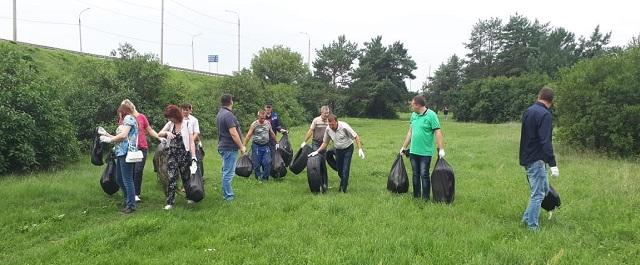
[
  {"x": 102, "y": 131},
  {"x": 284, "y": 131},
  {"x": 200, "y": 144},
  {"x": 303, "y": 144},
  {"x": 170, "y": 135},
  {"x": 361, "y": 153},
  {"x": 243, "y": 150},
  {"x": 163, "y": 140},
  {"x": 314, "y": 153},
  {"x": 555, "y": 172},
  {"x": 402, "y": 150},
  {"x": 441, "y": 153},
  {"x": 105, "y": 139},
  {"x": 277, "y": 146},
  {"x": 194, "y": 166}
]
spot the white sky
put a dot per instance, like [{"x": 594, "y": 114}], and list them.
[{"x": 431, "y": 30}]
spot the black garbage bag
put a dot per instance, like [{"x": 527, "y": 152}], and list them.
[
  {"x": 200, "y": 157},
  {"x": 244, "y": 166},
  {"x": 300, "y": 160},
  {"x": 108, "y": 179},
  {"x": 97, "y": 150},
  {"x": 278, "y": 167},
  {"x": 398, "y": 181},
  {"x": 284, "y": 147},
  {"x": 317, "y": 173},
  {"x": 443, "y": 183},
  {"x": 331, "y": 159},
  {"x": 194, "y": 188},
  {"x": 160, "y": 162},
  {"x": 552, "y": 200}
]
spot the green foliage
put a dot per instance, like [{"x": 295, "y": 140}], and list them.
[
  {"x": 284, "y": 98},
  {"x": 279, "y": 65},
  {"x": 35, "y": 128},
  {"x": 334, "y": 63},
  {"x": 598, "y": 102},
  {"x": 249, "y": 96},
  {"x": 315, "y": 93},
  {"x": 445, "y": 82}
]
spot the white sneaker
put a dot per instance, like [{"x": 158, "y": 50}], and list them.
[
  {"x": 137, "y": 198},
  {"x": 168, "y": 207},
  {"x": 190, "y": 202}
]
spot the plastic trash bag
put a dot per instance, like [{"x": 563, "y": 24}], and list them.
[
  {"x": 194, "y": 188},
  {"x": 552, "y": 200},
  {"x": 284, "y": 147},
  {"x": 244, "y": 166},
  {"x": 443, "y": 183},
  {"x": 398, "y": 181},
  {"x": 160, "y": 163},
  {"x": 97, "y": 150},
  {"x": 317, "y": 173},
  {"x": 108, "y": 178},
  {"x": 300, "y": 159},
  {"x": 278, "y": 167}
]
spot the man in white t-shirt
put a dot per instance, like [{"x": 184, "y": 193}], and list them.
[
  {"x": 317, "y": 129},
  {"x": 343, "y": 137},
  {"x": 187, "y": 109}
]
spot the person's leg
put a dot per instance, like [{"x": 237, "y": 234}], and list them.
[
  {"x": 539, "y": 186},
  {"x": 415, "y": 168},
  {"x": 425, "y": 163},
  {"x": 228, "y": 169},
  {"x": 255, "y": 158},
  {"x": 119, "y": 180},
  {"x": 138, "y": 170},
  {"x": 345, "y": 168},
  {"x": 127, "y": 181},
  {"x": 173, "y": 170},
  {"x": 266, "y": 156}
]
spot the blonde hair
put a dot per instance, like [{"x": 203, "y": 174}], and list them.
[
  {"x": 325, "y": 109},
  {"x": 128, "y": 103},
  {"x": 262, "y": 112}
]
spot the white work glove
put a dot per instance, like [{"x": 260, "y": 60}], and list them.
[
  {"x": 105, "y": 139},
  {"x": 102, "y": 131},
  {"x": 194, "y": 166},
  {"x": 170, "y": 135},
  {"x": 303, "y": 144},
  {"x": 314, "y": 153},
  {"x": 555, "y": 172},
  {"x": 361, "y": 153},
  {"x": 200, "y": 144},
  {"x": 277, "y": 146},
  {"x": 441, "y": 153},
  {"x": 284, "y": 131}
]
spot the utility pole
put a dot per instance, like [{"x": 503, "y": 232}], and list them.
[
  {"x": 15, "y": 22},
  {"x": 308, "y": 49},
  {"x": 80, "y": 26},
  {"x": 162, "y": 34},
  {"x": 234, "y": 12},
  {"x": 193, "y": 60}
]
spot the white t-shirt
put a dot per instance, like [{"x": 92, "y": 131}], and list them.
[
  {"x": 342, "y": 137},
  {"x": 194, "y": 123}
]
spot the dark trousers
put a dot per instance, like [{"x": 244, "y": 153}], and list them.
[
  {"x": 343, "y": 163},
  {"x": 138, "y": 171},
  {"x": 420, "y": 165}
]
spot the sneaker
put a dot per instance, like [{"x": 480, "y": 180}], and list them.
[
  {"x": 168, "y": 207},
  {"x": 190, "y": 202},
  {"x": 138, "y": 198},
  {"x": 128, "y": 210}
]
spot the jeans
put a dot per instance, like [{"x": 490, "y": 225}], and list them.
[
  {"x": 420, "y": 165},
  {"x": 228, "y": 170},
  {"x": 539, "y": 185},
  {"x": 343, "y": 163},
  {"x": 138, "y": 171},
  {"x": 124, "y": 178},
  {"x": 261, "y": 157}
]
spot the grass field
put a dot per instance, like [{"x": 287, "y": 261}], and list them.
[{"x": 64, "y": 217}]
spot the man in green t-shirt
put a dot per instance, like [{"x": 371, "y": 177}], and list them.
[{"x": 424, "y": 124}]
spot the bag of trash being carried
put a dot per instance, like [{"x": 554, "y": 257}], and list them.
[
  {"x": 97, "y": 150},
  {"x": 300, "y": 160},
  {"x": 284, "y": 147},
  {"x": 443, "y": 183},
  {"x": 317, "y": 174},
  {"x": 552, "y": 200},
  {"x": 194, "y": 188},
  {"x": 244, "y": 166},
  {"x": 160, "y": 163},
  {"x": 398, "y": 181},
  {"x": 108, "y": 178},
  {"x": 278, "y": 167}
]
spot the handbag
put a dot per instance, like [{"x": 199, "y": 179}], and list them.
[{"x": 134, "y": 155}]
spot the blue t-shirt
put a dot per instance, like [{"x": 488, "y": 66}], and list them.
[{"x": 122, "y": 147}]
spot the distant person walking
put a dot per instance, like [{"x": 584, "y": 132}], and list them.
[
  {"x": 446, "y": 113},
  {"x": 229, "y": 142}
]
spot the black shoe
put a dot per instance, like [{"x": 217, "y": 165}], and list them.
[{"x": 128, "y": 210}]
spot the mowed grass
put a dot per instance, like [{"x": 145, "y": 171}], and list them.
[{"x": 64, "y": 217}]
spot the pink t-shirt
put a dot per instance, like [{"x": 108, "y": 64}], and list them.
[{"x": 143, "y": 124}]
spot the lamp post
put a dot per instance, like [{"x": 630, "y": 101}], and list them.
[
  {"x": 238, "y": 15},
  {"x": 80, "y": 26},
  {"x": 193, "y": 61}
]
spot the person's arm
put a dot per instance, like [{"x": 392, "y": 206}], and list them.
[
  {"x": 248, "y": 136},
  {"x": 358, "y": 142},
  {"x": 192, "y": 145},
  {"x": 152, "y": 132},
  {"x": 236, "y": 139},
  {"x": 439, "y": 139},
  {"x": 308, "y": 135},
  {"x": 407, "y": 139},
  {"x": 322, "y": 147},
  {"x": 122, "y": 135},
  {"x": 164, "y": 130},
  {"x": 273, "y": 135},
  {"x": 544, "y": 132}
]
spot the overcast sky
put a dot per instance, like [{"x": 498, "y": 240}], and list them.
[{"x": 431, "y": 30}]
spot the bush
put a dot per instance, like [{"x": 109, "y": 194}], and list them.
[
  {"x": 284, "y": 98},
  {"x": 35, "y": 128},
  {"x": 598, "y": 102},
  {"x": 315, "y": 93}
]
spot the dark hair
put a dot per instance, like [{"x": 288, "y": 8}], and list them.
[
  {"x": 332, "y": 117},
  {"x": 546, "y": 94},
  {"x": 186, "y": 106},
  {"x": 420, "y": 100},
  {"x": 173, "y": 112},
  {"x": 226, "y": 100}
]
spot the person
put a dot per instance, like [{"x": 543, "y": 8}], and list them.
[
  {"x": 228, "y": 143},
  {"x": 125, "y": 141},
  {"x": 187, "y": 111},
  {"x": 446, "y": 113},
  {"x": 317, "y": 129},
  {"x": 260, "y": 134},
  {"x": 181, "y": 158},
  {"x": 144, "y": 128},
  {"x": 536, "y": 150},
  {"x": 424, "y": 124},
  {"x": 274, "y": 119},
  {"x": 342, "y": 136}
]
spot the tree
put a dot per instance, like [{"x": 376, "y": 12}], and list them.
[
  {"x": 445, "y": 81},
  {"x": 484, "y": 44},
  {"x": 520, "y": 39},
  {"x": 595, "y": 45},
  {"x": 278, "y": 65},
  {"x": 334, "y": 62},
  {"x": 556, "y": 50}
]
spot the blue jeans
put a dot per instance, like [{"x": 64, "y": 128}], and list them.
[
  {"x": 228, "y": 170},
  {"x": 420, "y": 165},
  {"x": 124, "y": 178},
  {"x": 343, "y": 163},
  {"x": 539, "y": 185},
  {"x": 261, "y": 157}
]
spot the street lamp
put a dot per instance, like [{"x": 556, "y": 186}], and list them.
[
  {"x": 193, "y": 63},
  {"x": 308, "y": 49},
  {"x": 238, "y": 15},
  {"x": 80, "y": 26}
]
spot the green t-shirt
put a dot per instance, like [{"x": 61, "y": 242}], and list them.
[{"x": 422, "y": 128}]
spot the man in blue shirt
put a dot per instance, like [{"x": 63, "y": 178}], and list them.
[
  {"x": 273, "y": 118},
  {"x": 536, "y": 150}
]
